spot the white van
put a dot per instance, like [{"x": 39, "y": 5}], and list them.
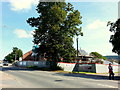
[{"x": 1, "y": 64}]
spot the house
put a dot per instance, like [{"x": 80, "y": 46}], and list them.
[
  {"x": 1, "y": 61},
  {"x": 30, "y": 56},
  {"x": 27, "y": 56},
  {"x": 82, "y": 58}
]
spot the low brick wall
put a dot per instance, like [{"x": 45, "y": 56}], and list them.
[
  {"x": 88, "y": 67},
  {"x": 71, "y": 67},
  {"x": 103, "y": 68}
]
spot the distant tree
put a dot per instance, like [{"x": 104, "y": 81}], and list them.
[
  {"x": 115, "y": 39},
  {"x": 56, "y": 26},
  {"x": 10, "y": 58},
  {"x": 14, "y": 55},
  {"x": 96, "y": 55},
  {"x": 98, "y": 61}
]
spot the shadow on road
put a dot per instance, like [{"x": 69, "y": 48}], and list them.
[
  {"x": 58, "y": 80},
  {"x": 98, "y": 77}
]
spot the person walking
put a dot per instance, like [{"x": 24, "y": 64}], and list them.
[{"x": 111, "y": 74}]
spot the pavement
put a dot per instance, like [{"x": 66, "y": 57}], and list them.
[
  {"x": 7, "y": 80},
  {"x": 100, "y": 76},
  {"x": 103, "y": 76}
]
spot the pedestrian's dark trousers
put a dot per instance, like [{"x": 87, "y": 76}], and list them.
[{"x": 111, "y": 76}]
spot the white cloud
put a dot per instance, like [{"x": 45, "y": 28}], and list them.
[
  {"x": 98, "y": 30},
  {"x": 96, "y": 38},
  {"x": 17, "y": 5},
  {"x": 22, "y": 33},
  {"x": 96, "y": 24}
]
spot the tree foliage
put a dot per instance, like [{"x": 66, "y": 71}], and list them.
[
  {"x": 96, "y": 55},
  {"x": 14, "y": 55},
  {"x": 115, "y": 39},
  {"x": 56, "y": 25}
]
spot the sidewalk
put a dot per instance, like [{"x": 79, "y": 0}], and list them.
[
  {"x": 99, "y": 76},
  {"x": 7, "y": 81},
  {"x": 90, "y": 75}
]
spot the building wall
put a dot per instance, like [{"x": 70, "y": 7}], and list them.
[
  {"x": 67, "y": 66},
  {"x": 1, "y": 61},
  {"x": 103, "y": 68}
]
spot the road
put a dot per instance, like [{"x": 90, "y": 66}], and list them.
[{"x": 13, "y": 77}]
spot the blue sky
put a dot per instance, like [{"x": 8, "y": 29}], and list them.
[{"x": 17, "y": 33}]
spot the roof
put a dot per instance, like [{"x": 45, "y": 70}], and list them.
[{"x": 83, "y": 52}]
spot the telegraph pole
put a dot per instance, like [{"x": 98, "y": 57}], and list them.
[
  {"x": 77, "y": 45},
  {"x": 15, "y": 55},
  {"x": 77, "y": 54}
]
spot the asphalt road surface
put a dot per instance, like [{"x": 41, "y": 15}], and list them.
[{"x": 13, "y": 77}]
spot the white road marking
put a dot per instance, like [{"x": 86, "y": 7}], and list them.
[{"x": 107, "y": 86}]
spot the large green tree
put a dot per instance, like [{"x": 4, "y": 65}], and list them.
[
  {"x": 14, "y": 55},
  {"x": 115, "y": 38},
  {"x": 97, "y": 55},
  {"x": 56, "y": 26}
]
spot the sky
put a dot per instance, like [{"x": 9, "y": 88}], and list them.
[{"x": 15, "y": 31}]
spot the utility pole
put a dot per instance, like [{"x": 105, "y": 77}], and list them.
[
  {"x": 77, "y": 54},
  {"x": 77, "y": 45},
  {"x": 15, "y": 55}
]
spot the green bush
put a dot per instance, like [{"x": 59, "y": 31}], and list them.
[
  {"x": 99, "y": 61},
  {"x": 33, "y": 67},
  {"x": 45, "y": 68}
]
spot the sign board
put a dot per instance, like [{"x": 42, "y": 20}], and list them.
[{"x": 85, "y": 66}]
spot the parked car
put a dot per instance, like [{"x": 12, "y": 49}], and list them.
[{"x": 5, "y": 64}]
